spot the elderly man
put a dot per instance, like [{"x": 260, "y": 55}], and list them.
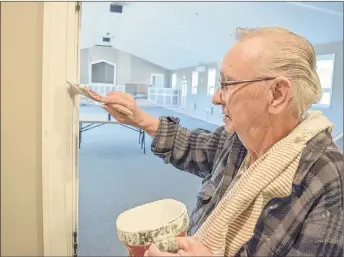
[{"x": 272, "y": 176}]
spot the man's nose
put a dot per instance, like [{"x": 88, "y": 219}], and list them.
[{"x": 217, "y": 97}]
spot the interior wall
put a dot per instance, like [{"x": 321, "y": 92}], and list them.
[
  {"x": 201, "y": 100},
  {"x": 335, "y": 112},
  {"x": 21, "y": 129},
  {"x": 130, "y": 68}
]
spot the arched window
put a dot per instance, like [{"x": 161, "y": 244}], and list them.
[{"x": 103, "y": 72}]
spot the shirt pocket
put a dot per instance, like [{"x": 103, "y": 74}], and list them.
[{"x": 207, "y": 189}]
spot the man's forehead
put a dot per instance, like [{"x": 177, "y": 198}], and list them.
[
  {"x": 239, "y": 60},
  {"x": 225, "y": 75}
]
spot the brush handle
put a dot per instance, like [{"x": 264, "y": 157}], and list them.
[
  {"x": 117, "y": 107},
  {"x": 121, "y": 109}
]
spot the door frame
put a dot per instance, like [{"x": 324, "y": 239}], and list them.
[{"x": 60, "y": 121}]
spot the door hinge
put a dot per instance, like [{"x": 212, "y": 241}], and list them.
[
  {"x": 77, "y": 6},
  {"x": 75, "y": 244}
]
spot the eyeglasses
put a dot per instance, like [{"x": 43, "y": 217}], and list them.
[{"x": 228, "y": 83}]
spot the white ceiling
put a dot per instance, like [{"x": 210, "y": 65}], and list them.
[{"x": 183, "y": 34}]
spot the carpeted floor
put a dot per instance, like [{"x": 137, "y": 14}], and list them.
[{"x": 115, "y": 175}]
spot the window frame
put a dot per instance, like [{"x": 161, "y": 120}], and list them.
[{"x": 326, "y": 57}]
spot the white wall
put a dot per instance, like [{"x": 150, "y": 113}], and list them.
[
  {"x": 130, "y": 69},
  {"x": 202, "y": 99}
]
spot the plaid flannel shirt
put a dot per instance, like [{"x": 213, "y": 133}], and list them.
[{"x": 309, "y": 222}]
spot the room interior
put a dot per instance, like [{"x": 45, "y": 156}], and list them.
[{"x": 155, "y": 50}]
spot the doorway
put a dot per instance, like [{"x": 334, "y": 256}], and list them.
[{"x": 157, "y": 80}]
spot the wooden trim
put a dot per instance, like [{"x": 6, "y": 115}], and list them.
[
  {"x": 59, "y": 127},
  {"x": 101, "y": 60}
]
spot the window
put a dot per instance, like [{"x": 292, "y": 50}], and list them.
[
  {"x": 211, "y": 81},
  {"x": 325, "y": 70},
  {"x": 194, "y": 83},
  {"x": 174, "y": 80},
  {"x": 103, "y": 72}
]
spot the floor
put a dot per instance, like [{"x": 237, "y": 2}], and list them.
[{"x": 115, "y": 175}]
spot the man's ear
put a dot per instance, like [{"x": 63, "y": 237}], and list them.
[{"x": 279, "y": 96}]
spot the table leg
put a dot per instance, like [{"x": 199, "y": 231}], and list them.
[
  {"x": 144, "y": 142},
  {"x": 80, "y": 133}
]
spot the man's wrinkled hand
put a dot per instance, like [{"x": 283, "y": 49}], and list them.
[{"x": 188, "y": 246}]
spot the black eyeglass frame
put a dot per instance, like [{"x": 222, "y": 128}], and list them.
[{"x": 224, "y": 83}]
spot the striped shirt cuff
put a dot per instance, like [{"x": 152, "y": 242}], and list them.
[{"x": 164, "y": 139}]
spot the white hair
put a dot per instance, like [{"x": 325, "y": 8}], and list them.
[{"x": 289, "y": 55}]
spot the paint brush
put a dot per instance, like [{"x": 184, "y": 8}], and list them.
[{"x": 83, "y": 89}]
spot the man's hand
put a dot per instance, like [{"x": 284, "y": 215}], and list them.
[
  {"x": 139, "y": 119},
  {"x": 188, "y": 246}
]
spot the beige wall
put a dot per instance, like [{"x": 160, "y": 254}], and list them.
[{"x": 21, "y": 190}]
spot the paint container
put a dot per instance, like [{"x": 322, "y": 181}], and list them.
[{"x": 158, "y": 222}]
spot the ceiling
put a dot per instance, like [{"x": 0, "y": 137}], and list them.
[
  {"x": 330, "y": 7},
  {"x": 183, "y": 34}
]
